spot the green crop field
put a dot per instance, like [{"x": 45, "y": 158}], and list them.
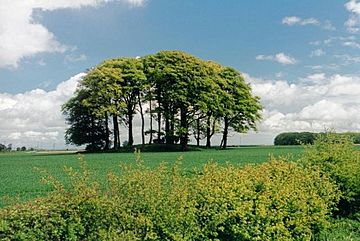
[{"x": 19, "y": 178}]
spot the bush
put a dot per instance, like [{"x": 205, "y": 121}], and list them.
[
  {"x": 336, "y": 157},
  {"x": 273, "y": 201}
]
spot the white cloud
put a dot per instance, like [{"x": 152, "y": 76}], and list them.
[
  {"x": 279, "y": 74},
  {"x": 348, "y": 59},
  {"x": 315, "y": 43},
  {"x": 284, "y": 59},
  {"x": 352, "y": 44},
  {"x": 328, "y": 26},
  {"x": 322, "y": 102},
  {"x": 353, "y": 22},
  {"x": 280, "y": 58},
  {"x": 353, "y": 6},
  {"x": 35, "y": 116},
  {"x": 75, "y": 58},
  {"x": 21, "y": 36},
  {"x": 294, "y": 20},
  {"x": 317, "y": 53},
  {"x": 316, "y": 77},
  {"x": 34, "y": 119}
]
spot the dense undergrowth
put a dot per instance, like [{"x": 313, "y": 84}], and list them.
[{"x": 276, "y": 200}]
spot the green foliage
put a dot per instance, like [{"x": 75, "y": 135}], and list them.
[
  {"x": 2, "y": 147},
  {"x": 299, "y": 138},
  {"x": 342, "y": 229},
  {"x": 336, "y": 156},
  {"x": 295, "y": 138},
  {"x": 273, "y": 201},
  {"x": 180, "y": 87},
  {"x": 277, "y": 200},
  {"x": 85, "y": 127}
]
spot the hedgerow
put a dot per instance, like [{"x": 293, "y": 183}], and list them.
[
  {"x": 337, "y": 158},
  {"x": 277, "y": 200}
]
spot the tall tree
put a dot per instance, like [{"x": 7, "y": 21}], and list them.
[
  {"x": 131, "y": 84},
  {"x": 85, "y": 127},
  {"x": 241, "y": 108},
  {"x": 102, "y": 84},
  {"x": 182, "y": 83}
]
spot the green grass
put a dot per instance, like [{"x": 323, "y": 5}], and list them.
[
  {"x": 21, "y": 181},
  {"x": 342, "y": 229}
]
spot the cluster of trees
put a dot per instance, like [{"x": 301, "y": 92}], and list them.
[
  {"x": 298, "y": 138},
  {"x": 9, "y": 147},
  {"x": 182, "y": 93},
  {"x": 295, "y": 138},
  {"x": 4, "y": 148}
]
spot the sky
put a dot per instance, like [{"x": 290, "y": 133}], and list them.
[{"x": 300, "y": 57}]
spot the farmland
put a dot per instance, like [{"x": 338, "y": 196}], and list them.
[{"x": 20, "y": 180}]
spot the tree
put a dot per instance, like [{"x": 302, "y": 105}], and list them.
[
  {"x": 2, "y": 147},
  {"x": 102, "y": 85},
  {"x": 130, "y": 84},
  {"x": 85, "y": 127},
  {"x": 241, "y": 108},
  {"x": 184, "y": 92},
  {"x": 183, "y": 84}
]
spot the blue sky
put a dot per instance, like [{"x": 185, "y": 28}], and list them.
[
  {"x": 300, "y": 56},
  {"x": 230, "y": 32}
]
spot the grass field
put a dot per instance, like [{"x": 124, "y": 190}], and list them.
[{"x": 20, "y": 180}]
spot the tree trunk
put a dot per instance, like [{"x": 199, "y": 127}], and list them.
[
  {"x": 116, "y": 133},
  {"x": 226, "y": 131},
  {"x": 92, "y": 134},
  {"x": 172, "y": 128},
  {"x": 142, "y": 122},
  {"x": 184, "y": 129},
  {"x": 107, "y": 132},
  {"x": 151, "y": 124},
  {"x": 159, "y": 125},
  {"x": 198, "y": 132},
  {"x": 167, "y": 130},
  {"x": 208, "y": 132},
  {"x": 130, "y": 118}
]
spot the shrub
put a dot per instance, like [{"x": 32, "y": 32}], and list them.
[
  {"x": 276, "y": 200},
  {"x": 273, "y": 201},
  {"x": 336, "y": 157}
]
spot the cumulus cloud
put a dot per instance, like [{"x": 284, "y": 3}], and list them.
[
  {"x": 280, "y": 58},
  {"x": 316, "y": 102},
  {"x": 353, "y": 22},
  {"x": 35, "y": 116},
  {"x": 21, "y": 36},
  {"x": 313, "y": 105}
]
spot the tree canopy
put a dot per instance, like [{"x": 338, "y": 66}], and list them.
[
  {"x": 299, "y": 138},
  {"x": 182, "y": 93}
]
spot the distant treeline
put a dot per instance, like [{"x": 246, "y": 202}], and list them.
[{"x": 298, "y": 138}]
